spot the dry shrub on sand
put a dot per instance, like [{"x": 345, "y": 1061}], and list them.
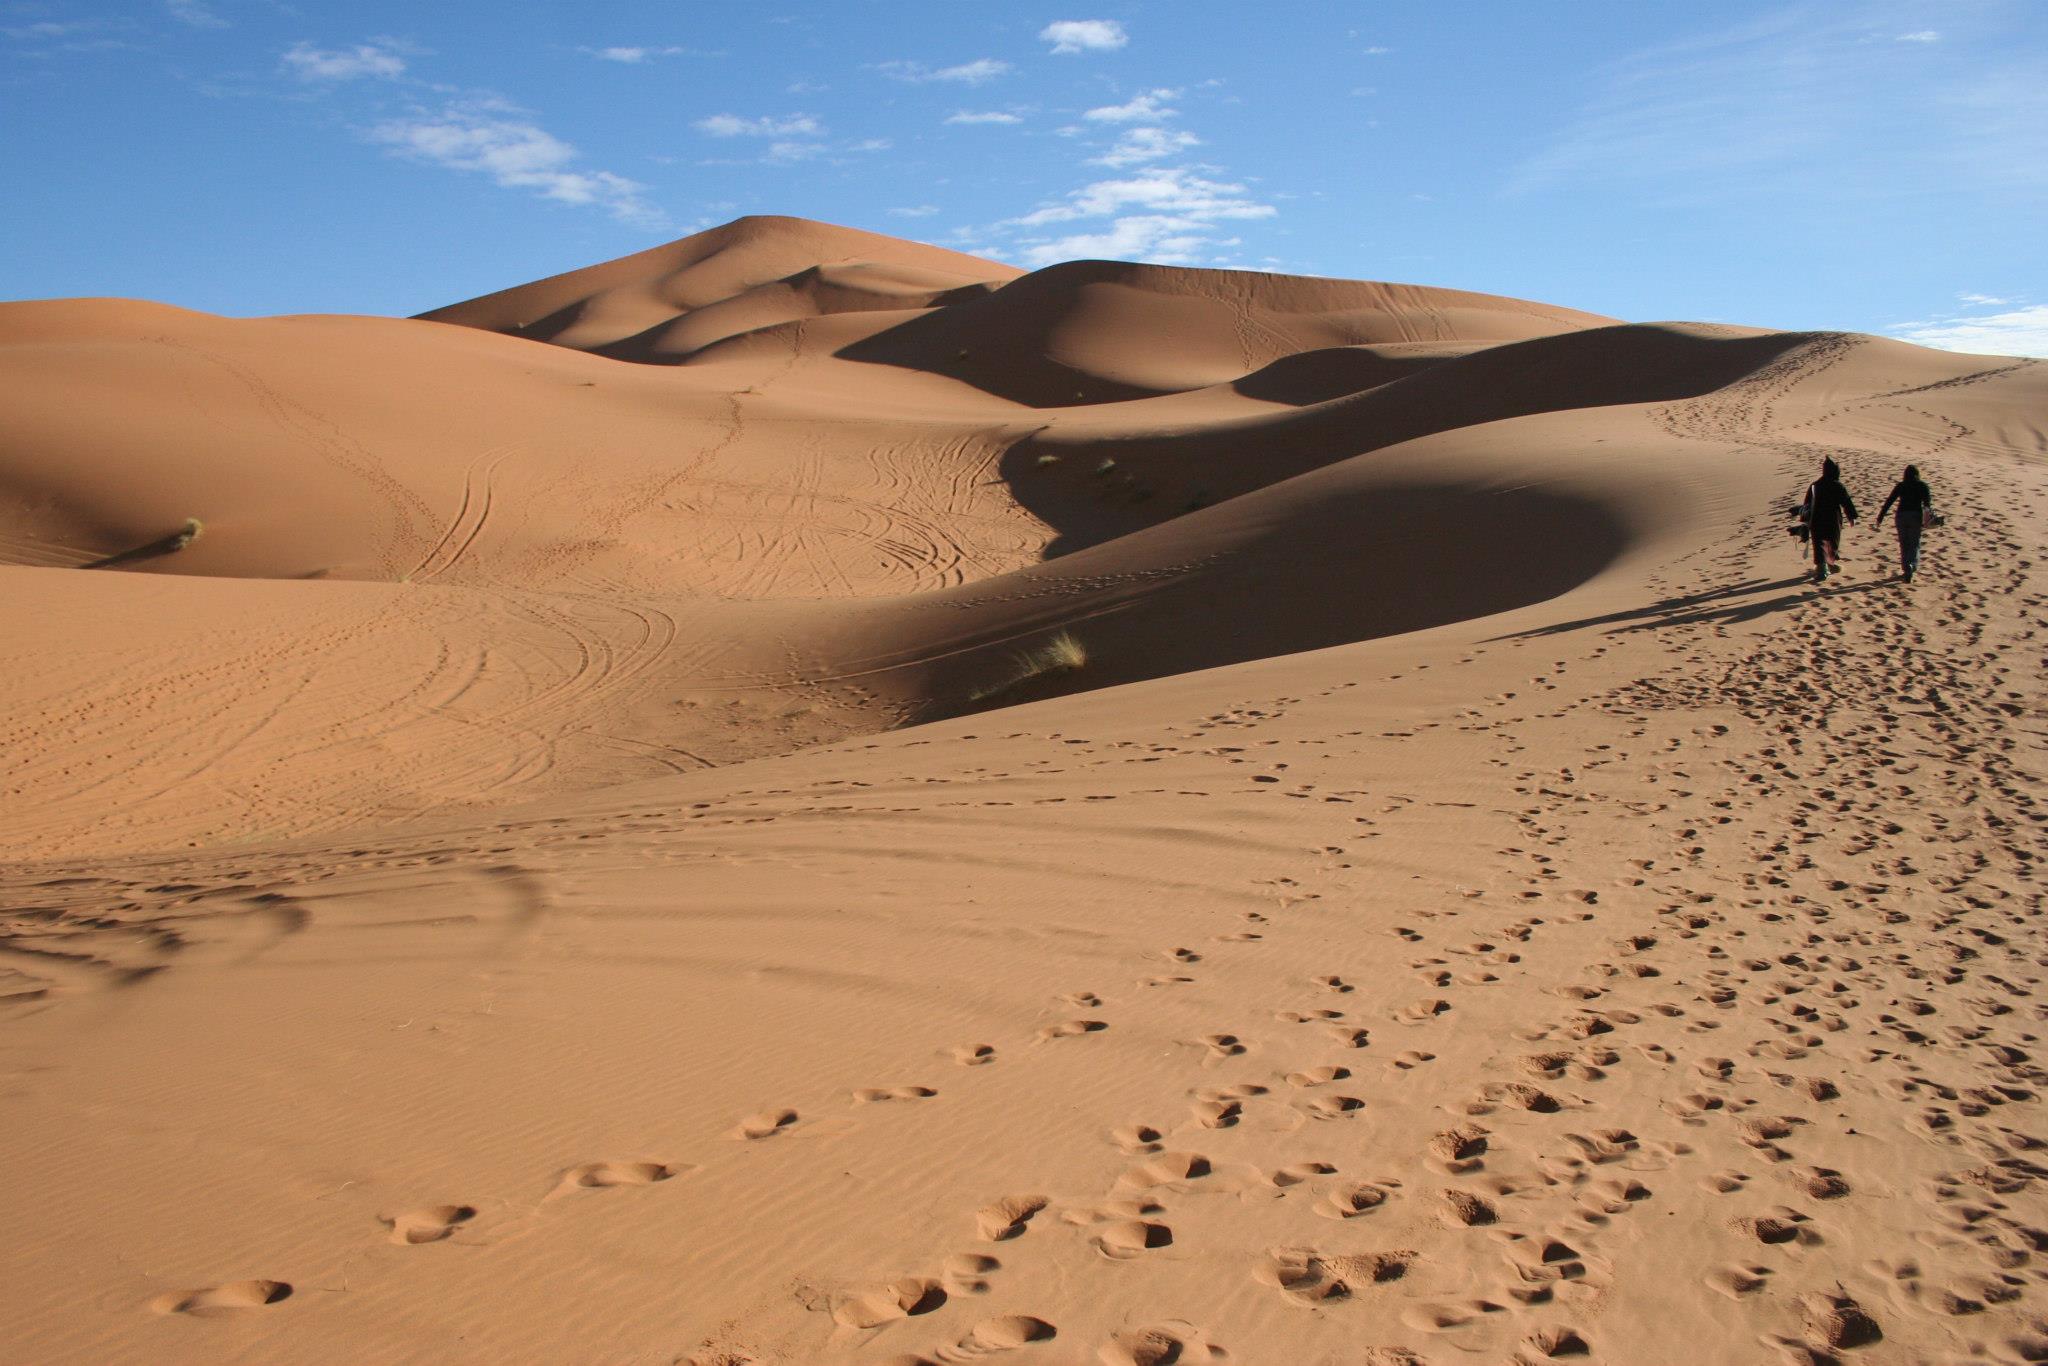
[{"x": 1063, "y": 654}]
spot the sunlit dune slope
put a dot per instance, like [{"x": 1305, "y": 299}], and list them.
[{"x": 672, "y": 299}]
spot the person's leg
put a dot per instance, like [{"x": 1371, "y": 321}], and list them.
[
  {"x": 1820, "y": 555},
  {"x": 1909, "y": 548}
]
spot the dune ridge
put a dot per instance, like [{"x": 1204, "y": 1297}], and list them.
[{"x": 798, "y": 797}]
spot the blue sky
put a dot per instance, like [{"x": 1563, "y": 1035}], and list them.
[{"x": 1879, "y": 166}]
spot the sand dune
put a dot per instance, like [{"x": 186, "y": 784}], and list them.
[{"x": 554, "y": 831}]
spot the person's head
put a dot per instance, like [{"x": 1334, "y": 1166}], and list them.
[
  {"x": 1912, "y": 471},
  {"x": 1830, "y": 470}
]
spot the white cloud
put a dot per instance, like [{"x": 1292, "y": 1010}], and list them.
[
  {"x": 733, "y": 126},
  {"x": 633, "y": 56},
  {"x": 1925, "y": 35},
  {"x": 967, "y": 73},
  {"x": 489, "y": 138},
  {"x": 1146, "y": 144},
  {"x": 1377, "y": 51},
  {"x": 1167, "y": 215},
  {"x": 311, "y": 63},
  {"x": 1161, "y": 240},
  {"x": 792, "y": 151},
  {"x": 2020, "y": 332},
  {"x": 1085, "y": 35},
  {"x": 1174, "y": 190},
  {"x": 992, "y": 117},
  {"x": 195, "y": 13},
  {"x": 870, "y": 145},
  {"x": 916, "y": 211},
  {"x": 1149, "y": 107},
  {"x": 1982, "y": 300}
]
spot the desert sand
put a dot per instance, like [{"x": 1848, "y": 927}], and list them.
[{"x": 800, "y": 797}]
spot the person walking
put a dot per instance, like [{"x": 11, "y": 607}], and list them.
[
  {"x": 1915, "y": 500},
  {"x": 1827, "y": 506}
]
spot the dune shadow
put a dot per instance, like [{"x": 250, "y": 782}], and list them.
[{"x": 1312, "y": 570}]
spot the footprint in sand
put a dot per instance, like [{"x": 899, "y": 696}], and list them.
[
  {"x": 765, "y": 1124},
  {"x": 1302, "y": 1277},
  {"x": 874, "y": 1095},
  {"x": 1068, "y": 1029},
  {"x": 1220, "y": 1107},
  {"x": 1298, "y": 1172},
  {"x": 222, "y": 1299},
  {"x": 1317, "y": 1076},
  {"x": 1333, "y": 1107},
  {"x": 986, "y": 1338},
  {"x": 1006, "y": 1218},
  {"x": 429, "y": 1225},
  {"x": 974, "y": 1054},
  {"x": 1165, "y": 1170},
  {"x": 1164, "y": 1344},
  {"x": 1351, "y": 1200},
  {"x": 1220, "y": 1048},
  {"x": 1136, "y": 1138},
  {"x": 600, "y": 1175},
  {"x": 967, "y": 1273},
  {"x": 1127, "y": 1238},
  {"x": 907, "y": 1298}
]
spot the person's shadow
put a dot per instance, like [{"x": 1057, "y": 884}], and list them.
[{"x": 1723, "y": 606}]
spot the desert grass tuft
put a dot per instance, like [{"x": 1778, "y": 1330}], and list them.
[
  {"x": 163, "y": 545},
  {"x": 1063, "y": 654}
]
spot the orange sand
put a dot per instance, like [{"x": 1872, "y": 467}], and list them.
[{"x": 574, "y": 862}]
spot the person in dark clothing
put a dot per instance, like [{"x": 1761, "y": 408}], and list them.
[
  {"x": 1915, "y": 499},
  {"x": 1827, "y": 506}
]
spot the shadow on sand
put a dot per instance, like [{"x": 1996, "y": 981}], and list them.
[{"x": 1722, "y": 606}]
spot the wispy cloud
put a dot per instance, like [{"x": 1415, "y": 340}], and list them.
[
  {"x": 1783, "y": 106},
  {"x": 194, "y": 13},
  {"x": 632, "y": 56},
  {"x": 48, "y": 37},
  {"x": 311, "y": 63},
  {"x": 1138, "y": 145},
  {"x": 2018, "y": 332},
  {"x": 493, "y": 139},
  {"x": 916, "y": 211},
  {"x": 1925, "y": 35},
  {"x": 991, "y": 116},
  {"x": 1149, "y": 107},
  {"x": 733, "y": 126},
  {"x": 1376, "y": 51},
  {"x": 1982, "y": 300},
  {"x": 976, "y": 72},
  {"x": 1084, "y": 35}
]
